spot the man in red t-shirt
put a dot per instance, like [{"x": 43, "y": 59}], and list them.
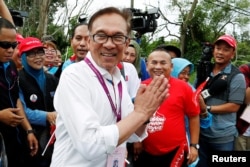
[{"x": 166, "y": 144}]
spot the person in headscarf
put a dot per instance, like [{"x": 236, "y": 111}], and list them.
[
  {"x": 133, "y": 55},
  {"x": 182, "y": 69},
  {"x": 37, "y": 90}
]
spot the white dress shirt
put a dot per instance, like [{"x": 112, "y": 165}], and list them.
[
  {"x": 86, "y": 130},
  {"x": 131, "y": 77}
]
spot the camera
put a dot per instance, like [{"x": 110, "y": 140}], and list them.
[
  {"x": 204, "y": 66},
  {"x": 207, "y": 51},
  {"x": 144, "y": 22},
  {"x": 18, "y": 16},
  {"x": 82, "y": 18}
]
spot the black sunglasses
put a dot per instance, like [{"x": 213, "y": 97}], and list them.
[{"x": 7, "y": 45}]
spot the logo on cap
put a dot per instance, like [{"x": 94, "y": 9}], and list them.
[{"x": 29, "y": 43}]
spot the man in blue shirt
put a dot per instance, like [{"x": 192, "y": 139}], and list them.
[{"x": 223, "y": 103}]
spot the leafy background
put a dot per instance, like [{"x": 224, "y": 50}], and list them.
[{"x": 198, "y": 21}]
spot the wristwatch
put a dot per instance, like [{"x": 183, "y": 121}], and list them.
[
  {"x": 30, "y": 131},
  {"x": 196, "y": 146},
  {"x": 208, "y": 108}
]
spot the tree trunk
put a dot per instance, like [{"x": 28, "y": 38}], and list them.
[
  {"x": 185, "y": 25},
  {"x": 43, "y": 19}
]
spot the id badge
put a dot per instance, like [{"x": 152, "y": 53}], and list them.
[{"x": 117, "y": 158}]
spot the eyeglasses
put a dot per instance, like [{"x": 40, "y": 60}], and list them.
[
  {"x": 32, "y": 54},
  {"x": 103, "y": 38},
  {"x": 7, "y": 45},
  {"x": 49, "y": 51}
]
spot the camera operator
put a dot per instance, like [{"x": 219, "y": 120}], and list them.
[
  {"x": 223, "y": 95},
  {"x": 204, "y": 66}
]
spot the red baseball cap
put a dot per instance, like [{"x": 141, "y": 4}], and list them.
[
  {"x": 29, "y": 43},
  {"x": 19, "y": 38},
  {"x": 228, "y": 39}
]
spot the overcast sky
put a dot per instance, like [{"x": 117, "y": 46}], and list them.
[
  {"x": 138, "y": 4},
  {"x": 125, "y": 3}
]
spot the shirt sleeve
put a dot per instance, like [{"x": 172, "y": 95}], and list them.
[
  {"x": 66, "y": 64},
  {"x": 133, "y": 81},
  {"x": 35, "y": 117},
  {"x": 237, "y": 89},
  {"x": 135, "y": 138},
  {"x": 191, "y": 109}
]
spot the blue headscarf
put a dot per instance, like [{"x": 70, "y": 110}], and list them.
[
  {"x": 38, "y": 75},
  {"x": 178, "y": 66}
]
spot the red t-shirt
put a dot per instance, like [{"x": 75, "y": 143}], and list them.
[{"x": 166, "y": 129}]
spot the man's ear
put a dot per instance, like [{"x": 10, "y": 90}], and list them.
[
  {"x": 127, "y": 43},
  {"x": 172, "y": 67},
  {"x": 234, "y": 55}
]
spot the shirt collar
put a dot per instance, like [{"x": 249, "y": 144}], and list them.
[{"x": 116, "y": 77}]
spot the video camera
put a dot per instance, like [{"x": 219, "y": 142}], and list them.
[
  {"x": 82, "y": 18},
  {"x": 18, "y": 16},
  {"x": 204, "y": 66},
  {"x": 143, "y": 22},
  {"x": 207, "y": 51}
]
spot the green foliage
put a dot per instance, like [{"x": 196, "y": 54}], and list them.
[
  {"x": 147, "y": 47},
  {"x": 244, "y": 49},
  {"x": 208, "y": 23},
  {"x": 31, "y": 22},
  {"x": 192, "y": 78},
  {"x": 68, "y": 52},
  {"x": 72, "y": 23}
]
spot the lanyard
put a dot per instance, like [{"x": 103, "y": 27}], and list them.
[{"x": 101, "y": 80}]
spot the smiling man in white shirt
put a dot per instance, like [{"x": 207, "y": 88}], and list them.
[{"x": 95, "y": 112}]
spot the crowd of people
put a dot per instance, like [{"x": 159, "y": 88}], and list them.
[{"x": 106, "y": 106}]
